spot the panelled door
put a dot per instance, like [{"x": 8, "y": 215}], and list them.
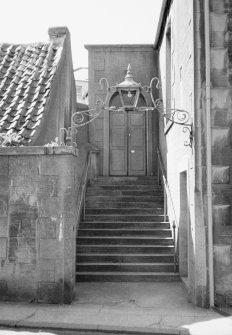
[{"x": 127, "y": 156}]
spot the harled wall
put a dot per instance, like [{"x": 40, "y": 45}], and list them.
[
  {"x": 176, "y": 59},
  {"x": 186, "y": 167}
]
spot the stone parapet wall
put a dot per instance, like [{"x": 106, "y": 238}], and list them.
[{"x": 38, "y": 217}]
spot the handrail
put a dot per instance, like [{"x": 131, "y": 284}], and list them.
[
  {"x": 84, "y": 183},
  {"x": 168, "y": 196}
]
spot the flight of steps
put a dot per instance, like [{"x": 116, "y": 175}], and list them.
[{"x": 123, "y": 236}]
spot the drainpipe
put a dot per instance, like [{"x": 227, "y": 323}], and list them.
[{"x": 208, "y": 155}]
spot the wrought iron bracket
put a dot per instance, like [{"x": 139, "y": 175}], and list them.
[
  {"x": 81, "y": 118},
  {"x": 177, "y": 116}
]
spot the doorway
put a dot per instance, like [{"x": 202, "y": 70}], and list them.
[
  {"x": 184, "y": 223},
  {"x": 127, "y": 147}
]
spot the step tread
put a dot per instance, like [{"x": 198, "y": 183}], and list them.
[
  {"x": 128, "y": 273},
  {"x": 121, "y": 255},
  {"x": 110, "y": 222},
  {"x": 127, "y": 237},
  {"x": 125, "y": 229},
  {"x": 124, "y": 209},
  {"x": 123, "y": 196},
  {"x": 127, "y": 245},
  {"x": 122, "y": 264},
  {"x": 129, "y": 185},
  {"x": 123, "y": 214}
]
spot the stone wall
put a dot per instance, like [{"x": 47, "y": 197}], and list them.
[
  {"x": 177, "y": 66},
  {"x": 187, "y": 90},
  {"x": 38, "y": 218},
  {"x": 111, "y": 62},
  {"x": 221, "y": 101}
]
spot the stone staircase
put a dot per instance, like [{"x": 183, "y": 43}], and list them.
[{"x": 123, "y": 236}]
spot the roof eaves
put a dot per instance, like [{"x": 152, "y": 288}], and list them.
[{"x": 162, "y": 21}]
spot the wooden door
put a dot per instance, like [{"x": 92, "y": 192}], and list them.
[
  {"x": 136, "y": 143},
  {"x": 127, "y": 137},
  {"x": 118, "y": 143}
]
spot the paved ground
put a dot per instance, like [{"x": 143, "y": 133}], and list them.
[{"x": 159, "y": 308}]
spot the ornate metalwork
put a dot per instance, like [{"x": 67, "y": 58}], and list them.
[
  {"x": 175, "y": 115},
  {"x": 82, "y": 118},
  {"x": 188, "y": 129},
  {"x": 129, "y": 86},
  {"x": 67, "y": 136}
]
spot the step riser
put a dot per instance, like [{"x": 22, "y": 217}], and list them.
[
  {"x": 128, "y": 183},
  {"x": 120, "y": 205},
  {"x": 120, "y": 224},
  {"x": 116, "y": 233},
  {"x": 129, "y": 278},
  {"x": 141, "y": 188},
  {"x": 157, "y": 200},
  {"x": 82, "y": 258},
  {"x": 123, "y": 241},
  {"x": 123, "y": 180},
  {"x": 118, "y": 193},
  {"x": 121, "y": 249},
  {"x": 122, "y": 211},
  {"x": 125, "y": 268},
  {"x": 124, "y": 218}
]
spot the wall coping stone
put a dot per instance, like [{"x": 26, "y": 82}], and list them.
[
  {"x": 39, "y": 150},
  {"x": 124, "y": 47}
]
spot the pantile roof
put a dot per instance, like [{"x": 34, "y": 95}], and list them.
[{"x": 26, "y": 74}]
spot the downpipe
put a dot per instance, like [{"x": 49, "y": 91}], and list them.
[{"x": 209, "y": 155}]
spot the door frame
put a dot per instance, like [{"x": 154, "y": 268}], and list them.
[{"x": 106, "y": 146}]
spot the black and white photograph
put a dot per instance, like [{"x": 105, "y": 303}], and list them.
[{"x": 116, "y": 167}]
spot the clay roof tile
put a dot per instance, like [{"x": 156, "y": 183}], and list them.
[{"x": 26, "y": 74}]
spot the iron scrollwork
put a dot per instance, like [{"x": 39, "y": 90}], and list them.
[
  {"x": 82, "y": 118},
  {"x": 175, "y": 115}
]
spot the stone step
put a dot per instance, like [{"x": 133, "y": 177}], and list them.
[
  {"x": 125, "y": 232},
  {"x": 124, "y": 236},
  {"x": 124, "y": 218},
  {"x": 128, "y": 204},
  {"x": 125, "y": 258},
  {"x": 138, "y": 199},
  {"x": 127, "y": 276},
  {"x": 153, "y": 183},
  {"x": 124, "y": 249},
  {"x": 124, "y": 180},
  {"x": 124, "y": 224},
  {"x": 124, "y": 240},
  {"x": 124, "y": 267},
  {"x": 122, "y": 211},
  {"x": 119, "y": 193},
  {"x": 149, "y": 187}
]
